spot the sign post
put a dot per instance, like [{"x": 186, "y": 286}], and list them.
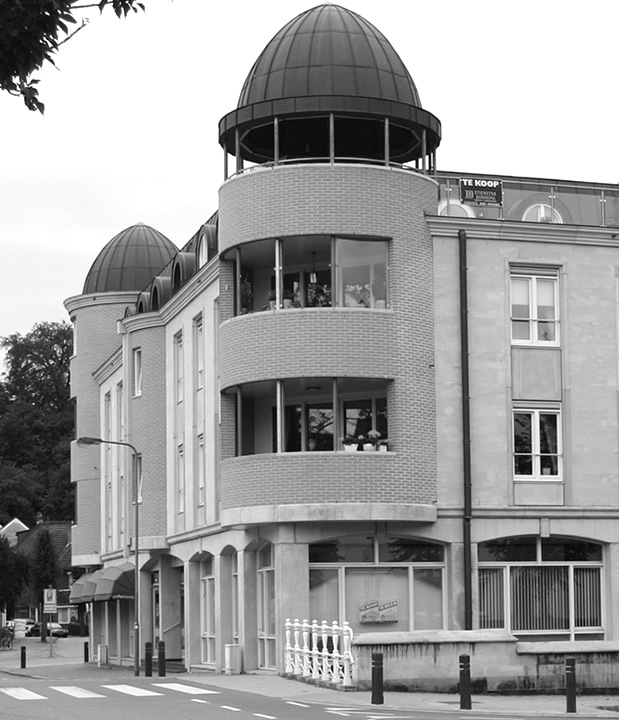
[{"x": 50, "y": 607}]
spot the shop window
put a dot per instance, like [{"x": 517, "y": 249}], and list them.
[
  {"x": 541, "y": 588},
  {"x": 378, "y": 583}
]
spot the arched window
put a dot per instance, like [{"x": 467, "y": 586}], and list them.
[{"x": 541, "y": 588}]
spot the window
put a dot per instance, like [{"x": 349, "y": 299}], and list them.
[
  {"x": 266, "y": 607},
  {"x": 311, "y": 272},
  {"x": 542, "y": 588},
  {"x": 209, "y": 617},
  {"x": 201, "y": 470},
  {"x": 137, "y": 371},
  {"x": 537, "y": 444},
  {"x": 534, "y": 309},
  {"x": 180, "y": 479},
  {"x": 378, "y": 583},
  {"x": 543, "y": 213},
  {"x": 198, "y": 344},
  {"x": 314, "y": 414}
]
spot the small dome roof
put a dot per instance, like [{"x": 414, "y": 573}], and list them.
[
  {"x": 329, "y": 50},
  {"x": 130, "y": 260}
]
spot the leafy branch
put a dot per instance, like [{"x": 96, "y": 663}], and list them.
[{"x": 32, "y": 31}]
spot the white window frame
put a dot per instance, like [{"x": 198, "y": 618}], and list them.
[
  {"x": 506, "y": 589},
  {"x": 198, "y": 335},
  {"x": 534, "y": 322},
  {"x": 537, "y": 474},
  {"x": 137, "y": 372}
]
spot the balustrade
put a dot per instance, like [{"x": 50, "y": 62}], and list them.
[{"x": 320, "y": 651}]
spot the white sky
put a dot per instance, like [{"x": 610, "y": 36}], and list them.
[{"x": 130, "y": 132}]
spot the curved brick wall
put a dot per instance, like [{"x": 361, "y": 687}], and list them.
[
  {"x": 291, "y": 478},
  {"x": 312, "y": 342},
  {"x": 97, "y": 338},
  {"x": 398, "y": 344}
]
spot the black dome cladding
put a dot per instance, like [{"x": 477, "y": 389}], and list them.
[
  {"x": 329, "y": 50},
  {"x": 329, "y": 62},
  {"x": 129, "y": 260}
]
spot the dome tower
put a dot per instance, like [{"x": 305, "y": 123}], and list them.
[{"x": 330, "y": 87}]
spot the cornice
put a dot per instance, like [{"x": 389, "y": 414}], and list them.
[
  {"x": 77, "y": 302},
  {"x": 506, "y": 230}
]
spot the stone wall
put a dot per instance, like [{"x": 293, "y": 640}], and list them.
[{"x": 429, "y": 662}]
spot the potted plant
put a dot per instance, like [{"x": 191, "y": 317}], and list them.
[
  {"x": 350, "y": 443},
  {"x": 271, "y": 299}
]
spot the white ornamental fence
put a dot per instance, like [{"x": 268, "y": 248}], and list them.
[{"x": 320, "y": 651}]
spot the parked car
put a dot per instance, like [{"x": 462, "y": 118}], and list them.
[{"x": 53, "y": 628}]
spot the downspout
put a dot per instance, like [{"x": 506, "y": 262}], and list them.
[{"x": 466, "y": 433}]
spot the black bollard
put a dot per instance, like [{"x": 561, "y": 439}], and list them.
[
  {"x": 86, "y": 653},
  {"x": 161, "y": 659},
  {"x": 148, "y": 659},
  {"x": 465, "y": 682},
  {"x": 377, "y": 679},
  {"x": 570, "y": 684},
  {"x": 23, "y": 657}
]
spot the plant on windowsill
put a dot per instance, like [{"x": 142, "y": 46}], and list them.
[
  {"x": 271, "y": 300},
  {"x": 350, "y": 443}
]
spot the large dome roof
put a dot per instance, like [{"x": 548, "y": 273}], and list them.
[
  {"x": 323, "y": 89},
  {"x": 129, "y": 261},
  {"x": 329, "y": 50}
]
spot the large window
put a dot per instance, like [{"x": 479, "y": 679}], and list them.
[
  {"x": 377, "y": 583},
  {"x": 537, "y": 444},
  {"x": 534, "y": 308},
  {"x": 311, "y": 271},
  {"x": 543, "y": 588},
  {"x": 311, "y": 414},
  {"x": 266, "y": 607},
  {"x": 209, "y": 617}
]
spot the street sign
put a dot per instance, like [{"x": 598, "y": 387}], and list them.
[{"x": 50, "y": 603}]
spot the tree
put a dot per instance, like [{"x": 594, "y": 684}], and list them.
[
  {"x": 43, "y": 569},
  {"x": 36, "y": 425},
  {"x": 31, "y": 31},
  {"x": 14, "y": 572}
]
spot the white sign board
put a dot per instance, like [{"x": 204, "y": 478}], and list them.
[{"x": 50, "y": 604}]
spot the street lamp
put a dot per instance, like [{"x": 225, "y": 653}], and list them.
[{"x": 136, "y": 602}]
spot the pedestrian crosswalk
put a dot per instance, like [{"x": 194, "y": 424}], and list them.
[{"x": 81, "y": 693}]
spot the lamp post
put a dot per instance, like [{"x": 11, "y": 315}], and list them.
[{"x": 136, "y": 602}]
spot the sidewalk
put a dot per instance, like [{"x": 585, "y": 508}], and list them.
[{"x": 67, "y": 661}]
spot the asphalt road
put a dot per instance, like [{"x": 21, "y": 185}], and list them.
[{"x": 157, "y": 699}]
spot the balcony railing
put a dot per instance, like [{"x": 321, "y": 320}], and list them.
[
  {"x": 531, "y": 200},
  {"x": 320, "y": 651}
]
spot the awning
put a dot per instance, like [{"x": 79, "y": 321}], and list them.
[
  {"x": 115, "y": 583},
  {"x": 77, "y": 589},
  {"x": 90, "y": 585}
]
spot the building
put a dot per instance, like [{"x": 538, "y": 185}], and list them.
[{"x": 346, "y": 288}]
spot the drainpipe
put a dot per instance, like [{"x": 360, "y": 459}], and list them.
[{"x": 466, "y": 433}]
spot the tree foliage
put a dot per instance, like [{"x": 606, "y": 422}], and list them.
[
  {"x": 36, "y": 425},
  {"x": 14, "y": 574},
  {"x": 31, "y": 31}
]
